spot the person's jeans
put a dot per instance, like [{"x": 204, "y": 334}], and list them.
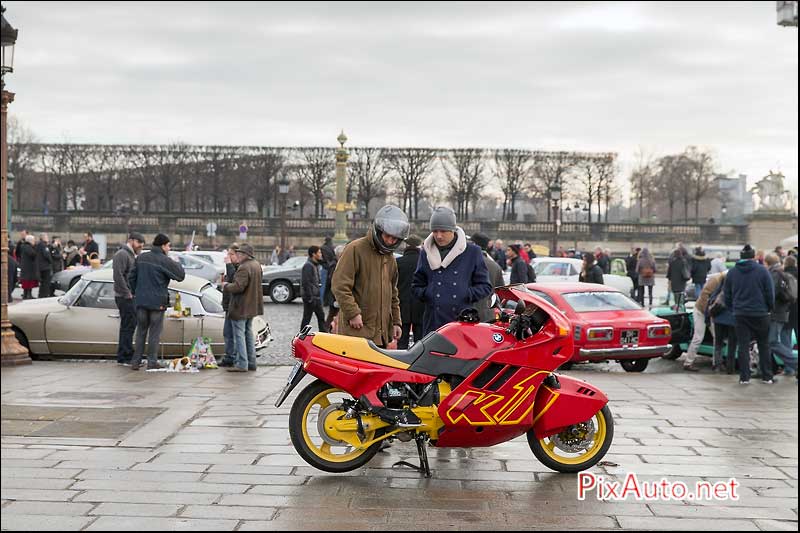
[
  {"x": 698, "y": 287},
  {"x": 780, "y": 342},
  {"x": 323, "y": 279},
  {"x": 244, "y": 343},
  {"x": 747, "y": 329},
  {"x": 315, "y": 308},
  {"x": 127, "y": 327},
  {"x": 408, "y": 327},
  {"x": 149, "y": 325},
  {"x": 724, "y": 333},
  {"x": 699, "y": 320},
  {"x": 227, "y": 334},
  {"x": 680, "y": 300}
]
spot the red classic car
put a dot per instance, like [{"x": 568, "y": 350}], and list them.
[{"x": 607, "y": 324}]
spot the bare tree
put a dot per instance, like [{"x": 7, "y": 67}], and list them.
[
  {"x": 551, "y": 168},
  {"x": 672, "y": 171},
  {"x": 701, "y": 178},
  {"x": 370, "y": 173},
  {"x": 23, "y": 151},
  {"x": 513, "y": 170},
  {"x": 316, "y": 171},
  {"x": 464, "y": 170},
  {"x": 642, "y": 177},
  {"x": 607, "y": 170},
  {"x": 413, "y": 167}
]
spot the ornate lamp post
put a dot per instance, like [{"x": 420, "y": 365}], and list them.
[
  {"x": 340, "y": 237},
  {"x": 12, "y": 352},
  {"x": 283, "y": 189},
  {"x": 555, "y": 196}
]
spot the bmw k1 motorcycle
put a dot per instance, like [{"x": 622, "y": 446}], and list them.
[{"x": 467, "y": 384}]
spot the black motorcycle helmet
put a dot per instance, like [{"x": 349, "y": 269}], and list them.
[{"x": 392, "y": 221}]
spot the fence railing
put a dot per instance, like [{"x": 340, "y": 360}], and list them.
[{"x": 182, "y": 223}]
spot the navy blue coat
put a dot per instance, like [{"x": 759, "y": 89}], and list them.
[
  {"x": 447, "y": 291},
  {"x": 150, "y": 277},
  {"x": 749, "y": 289}
]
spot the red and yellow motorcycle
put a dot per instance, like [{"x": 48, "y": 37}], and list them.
[{"x": 468, "y": 384}]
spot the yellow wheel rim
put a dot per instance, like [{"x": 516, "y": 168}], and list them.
[
  {"x": 548, "y": 444},
  {"x": 322, "y": 445}
]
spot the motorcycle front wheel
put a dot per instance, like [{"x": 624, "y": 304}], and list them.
[
  {"x": 310, "y": 422},
  {"x": 577, "y": 447}
]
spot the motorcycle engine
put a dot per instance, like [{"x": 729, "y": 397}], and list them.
[{"x": 398, "y": 395}]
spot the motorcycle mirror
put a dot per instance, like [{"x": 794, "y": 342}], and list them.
[
  {"x": 520, "y": 308},
  {"x": 493, "y": 301}
]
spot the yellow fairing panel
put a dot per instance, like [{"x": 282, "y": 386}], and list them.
[{"x": 354, "y": 348}]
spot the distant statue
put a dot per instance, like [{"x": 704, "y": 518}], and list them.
[{"x": 771, "y": 194}]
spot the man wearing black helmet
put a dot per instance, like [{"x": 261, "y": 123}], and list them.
[{"x": 365, "y": 280}]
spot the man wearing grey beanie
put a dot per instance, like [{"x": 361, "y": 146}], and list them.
[{"x": 451, "y": 274}]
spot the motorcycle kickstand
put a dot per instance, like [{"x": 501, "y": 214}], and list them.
[{"x": 423, "y": 468}]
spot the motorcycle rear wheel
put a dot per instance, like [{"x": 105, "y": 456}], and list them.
[
  {"x": 323, "y": 451},
  {"x": 553, "y": 457}
]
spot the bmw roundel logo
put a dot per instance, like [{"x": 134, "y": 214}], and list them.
[{"x": 498, "y": 337}]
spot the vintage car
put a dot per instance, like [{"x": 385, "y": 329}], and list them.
[
  {"x": 196, "y": 266},
  {"x": 683, "y": 330},
  {"x": 282, "y": 282},
  {"x": 607, "y": 325},
  {"x": 85, "y": 320},
  {"x": 560, "y": 269}
]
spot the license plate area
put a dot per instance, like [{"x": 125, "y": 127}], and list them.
[{"x": 629, "y": 337}]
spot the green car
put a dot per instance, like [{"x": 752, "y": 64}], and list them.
[{"x": 683, "y": 330}]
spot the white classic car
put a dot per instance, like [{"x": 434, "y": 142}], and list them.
[{"x": 560, "y": 269}]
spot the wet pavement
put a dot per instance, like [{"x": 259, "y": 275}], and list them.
[{"x": 210, "y": 451}]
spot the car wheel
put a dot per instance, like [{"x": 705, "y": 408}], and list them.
[
  {"x": 634, "y": 365},
  {"x": 21, "y": 338},
  {"x": 673, "y": 352},
  {"x": 281, "y": 292}
]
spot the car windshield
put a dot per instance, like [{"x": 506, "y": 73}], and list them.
[
  {"x": 294, "y": 262},
  {"x": 551, "y": 269},
  {"x": 587, "y": 302},
  {"x": 72, "y": 294},
  {"x": 211, "y": 299}
]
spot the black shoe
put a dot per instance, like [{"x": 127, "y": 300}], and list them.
[
  {"x": 236, "y": 369},
  {"x": 225, "y": 363},
  {"x": 135, "y": 365}
]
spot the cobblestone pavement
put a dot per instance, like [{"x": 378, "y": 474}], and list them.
[{"x": 212, "y": 452}]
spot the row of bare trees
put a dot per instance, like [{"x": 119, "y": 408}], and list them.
[{"x": 675, "y": 180}]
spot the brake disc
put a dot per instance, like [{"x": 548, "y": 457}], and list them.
[
  {"x": 575, "y": 439},
  {"x": 323, "y": 415}
]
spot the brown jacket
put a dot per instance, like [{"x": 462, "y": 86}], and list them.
[
  {"x": 365, "y": 283},
  {"x": 712, "y": 283},
  {"x": 247, "y": 300}
]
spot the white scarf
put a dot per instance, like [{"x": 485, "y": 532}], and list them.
[{"x": 435, "y": 258}]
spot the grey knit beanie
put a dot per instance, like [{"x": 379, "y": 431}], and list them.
[{"x": 443, "y": 218}]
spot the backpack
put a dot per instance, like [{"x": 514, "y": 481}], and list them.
[
  {"x": 717, "y": 299},
  {"x": 532, "y": 274},
  {"x": 786, "y": 288},
  {"x": 647, "y": 272},
  {"x": 686, "y": 271}
]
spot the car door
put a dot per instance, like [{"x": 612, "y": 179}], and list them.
[{"x": 87, "y": 326}]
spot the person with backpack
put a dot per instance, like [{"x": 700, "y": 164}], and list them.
[
  {"x": 646, "y": 270},
  {"x": 724, "y": 327},
  {"x": 750, "y": 294},
  {"x": 699, "y": 321},
  {"x": 780, "y": 331}
]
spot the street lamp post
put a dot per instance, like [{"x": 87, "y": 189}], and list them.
[
  {"x": 12, "y": 352},
  {"x": 555, "y": 196},
  {"x": 283, "y": 189}
]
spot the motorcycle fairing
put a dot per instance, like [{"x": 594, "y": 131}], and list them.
[
  {"x": 355, "y": 348},
  {"x": 574, "y": 402}
]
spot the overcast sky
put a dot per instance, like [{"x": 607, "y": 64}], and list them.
[{"x": 599, "y": 76}]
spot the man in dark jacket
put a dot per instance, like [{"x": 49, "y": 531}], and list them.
[
  {"x": 122, "y": 265},
  {"x": 495, "y": 276},
  {"x": 247, "y": 302},
  {"x": 780, "y": 331},
  {"x": 603, "y": 261},
  {"x": 327, "y": 263},
  {"x": 519, "y": 269},
  {"x": 630, "y": 267},
  {"x": 451, "y": 273},
  {"x": 148, "y": 281},
  {"x": 700, "y": 267},
  {"x": 412, "y": 311},
  {"x": 89, "y": 249},
  {"x": 44, "y": 264},
  {"x": 310, "y": 283},
  {"x": 57, "y": 255},
  {"x": 591, "y": 271},
  {"x": 678, "y": 274},
  {"x": 750, "y": 294},
  {"x": 231, "y": 264}
]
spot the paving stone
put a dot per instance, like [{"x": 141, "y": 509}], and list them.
[
  {"x": 207, "y": 458},
  {"x": 777, "y": 525},
  {"x": 96, "y": 465},
  {"x": 49, "y": 473},
  {"x": 125, "y": 496},
  {"x": 51, "y": 508},
  {"x": 728, "y": 509},
  {"x": 685, "y": 524},
  {"x": 35, "y": 483},
  {"x": 550, "y": 521},
  {"x": 254, "y": 479},
  {"x": 100, "y": 484},
  {"x": 234, "y": 513},
  {"x": 38, "y": 495},
  {"x": 23, "y": 453},
  {"x": 251, "y": 469},
  {"x": 129, "y": 475},
  {"x": 28, "y": 463},
  {"x": 127, "y": 523},
  {"x": 104, "y": 455},
  {"x": 136, "y": 509},
  {"x": 40, "y": 522},
  {"x": 190, "y": 448},
  {"x": 170, "y": 467}
]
